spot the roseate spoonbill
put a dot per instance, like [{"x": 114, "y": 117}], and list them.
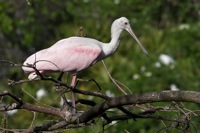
[{"x": 75, "y": 54}]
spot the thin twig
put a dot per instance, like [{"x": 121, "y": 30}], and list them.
[
  {"x": 123, "y": 85},
  {"x": 7, "y": 93},
  {"x": 84, "y": 92},
  {"x": 35, "y": 99},
  {"x": 113, "y": 80},
  {"x": 27, "y": 1},
  {"x": 13, "y": 82},
  {"x": 11, "y": 63},
  {"x": 34, "y": 116},
  {"x": 82, "y": 80}
]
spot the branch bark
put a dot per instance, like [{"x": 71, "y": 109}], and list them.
[
  {"x": 149, "y": 97},
  {"x": 99, "y": 109}
]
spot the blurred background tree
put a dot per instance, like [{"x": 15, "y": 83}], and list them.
[{"x": 168, "y": 29}]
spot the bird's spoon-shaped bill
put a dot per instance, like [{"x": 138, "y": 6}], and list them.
[{"x": 134, "y": 36}]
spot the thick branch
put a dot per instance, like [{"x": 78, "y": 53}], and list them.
[
  {"x": 113, "y": 102},
  {"x": 40, "y": 109},
  {"x": 149, "y": 97},
  {"x": 23, "y": 105}
]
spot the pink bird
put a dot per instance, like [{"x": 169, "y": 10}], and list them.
[{"x": 75, "y": 54}]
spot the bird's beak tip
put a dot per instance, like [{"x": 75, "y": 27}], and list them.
[{"x": 134, "y": 36}]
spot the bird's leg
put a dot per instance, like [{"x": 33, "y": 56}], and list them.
[{"x": 73, "y": 84}]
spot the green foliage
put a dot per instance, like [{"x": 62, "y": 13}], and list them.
[{"x": 163, "y": 27}]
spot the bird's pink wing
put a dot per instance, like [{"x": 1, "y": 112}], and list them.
[
  {"x": 70, "y": 58},
  {"x": 33, "y": 60},
  {"x": 80, "y": 57}
]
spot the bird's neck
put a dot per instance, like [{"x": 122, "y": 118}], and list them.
[{"x": 112, "y": 46}]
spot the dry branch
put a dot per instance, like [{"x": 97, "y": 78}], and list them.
[
  {"x": 149, "y": 97},
  {"x": 111, "y": 102}
]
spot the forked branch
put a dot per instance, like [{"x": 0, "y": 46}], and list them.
[{"x": 112, "y": 102}]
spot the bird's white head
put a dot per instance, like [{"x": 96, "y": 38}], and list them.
[{"x": 123, "y": 24}]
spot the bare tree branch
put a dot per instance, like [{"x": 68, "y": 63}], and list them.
[
  {"x": 149, "y": 97},
  {"x": 99, "y": 109}
]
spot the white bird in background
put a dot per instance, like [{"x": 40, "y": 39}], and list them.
[{"x": 75, "y": 54}]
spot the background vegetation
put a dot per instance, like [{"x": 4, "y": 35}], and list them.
[{"x": 169, "y": 27}]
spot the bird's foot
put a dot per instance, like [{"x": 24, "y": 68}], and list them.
[
  {"x": 67, "y": 106},
  {"x": 70, "y": 113},
  {"x": 71, "y": 116}
]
